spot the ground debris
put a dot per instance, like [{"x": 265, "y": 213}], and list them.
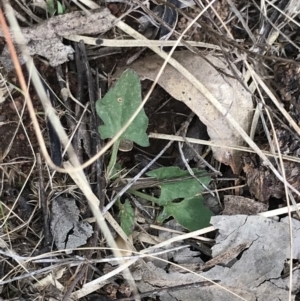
[
  {"x": 229, "y": 92},
  {"x": 288, "y": 78},
  {"x": 250, "y": 256},
  {"x": 287, "y": 81},
  {"x": 235, "y": 204},
  {"x": 248, "y": 260},
  {"x": 263, "y": 183},
  {"x": 67, "y": 231},
  {"x": 262, "y": 262},
  {"x": 45, "y": 39}
]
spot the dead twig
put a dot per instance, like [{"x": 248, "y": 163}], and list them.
[{"x": 44, "y": 204}]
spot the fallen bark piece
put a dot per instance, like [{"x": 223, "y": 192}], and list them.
[
  {"x": 45, "y": 39},
  {"x": 259, "y": 267},
  {"x": 249, "y": 257},
  {"x": 226, "y": 89},
  {"x": 68, "y": 232},
  {"x": 153, "y": 278}
]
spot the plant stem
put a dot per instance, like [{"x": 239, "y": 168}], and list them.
[
  {"x": 113, "y": 158},
  {"x": 144, "y": 196}
]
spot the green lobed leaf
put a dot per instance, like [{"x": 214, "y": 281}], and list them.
[
  {"x": 118, "y": 105},
  {"x": 51, "y": 7},
  {"x": 183, "y": 188},
  {"x": 126, "y": 216},
  {"x": 60, "y": 8},
  {"x": 190, "y": 213},
  {"x": 163, "y": 173}
]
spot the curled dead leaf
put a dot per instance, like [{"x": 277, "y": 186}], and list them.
[
  {"x": 226, "y": 89},
  {"x": 123, "y": 245}
]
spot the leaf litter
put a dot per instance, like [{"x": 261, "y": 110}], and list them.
[
  {"x": 248, "y": 257},
  {"x": 67, "y": 231},
  {"x": 45, "y": 39},
  {"x": 227, "y": 90}
]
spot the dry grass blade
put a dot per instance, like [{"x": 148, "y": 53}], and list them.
[
  {"x": 240, "y": 17},
  {"x": 212, "y": 99},
  {"x": 93, "y": 201},
  {"x": 5, "y": 88},
  {"x": 218, "y": 26},
  {"x": 89, "y": 3},
  {"x": 135, "y": 43},
  {"x": 204, "y": 142}
]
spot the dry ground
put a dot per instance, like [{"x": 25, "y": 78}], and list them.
[{"x": 258, "y": 43}]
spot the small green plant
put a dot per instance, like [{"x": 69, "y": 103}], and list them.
[
  {"x": 61, "y": 9},
  {"x": 126, "y": 215},
  {"x": 54, "y": 6},
  {"x": 115, "y": 109},
  {"x": 180, "y": 197},
  {"x": 2, "y": 217}
]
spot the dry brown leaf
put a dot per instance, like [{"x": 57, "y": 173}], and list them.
[
  {"x": 235, "y": 204},
  {"x": 123, "y": 245},
  {"x": 45, "y": 39},
  {"x": 227, "y": 90}
]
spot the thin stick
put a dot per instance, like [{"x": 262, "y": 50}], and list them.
[
  {"x": 43, "y": 203},
  {"x": 209, "y": 143}
]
